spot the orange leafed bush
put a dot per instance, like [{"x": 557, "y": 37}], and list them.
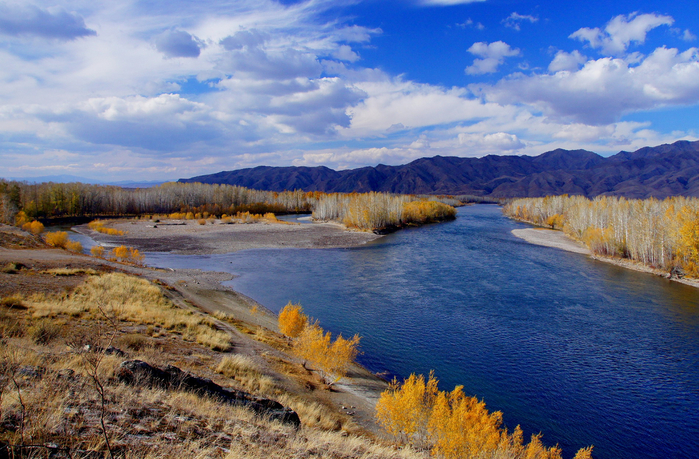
[
  {"x": 129, "y": 255},
  {"x": 35, "y": 227},
  {"x": 74, "y": 246},
  {"x": 57, "y": 238},
  {"x": 97, "y": 251},
  {"x": 421, "y": 212},
  {"x": 292, "y": 320},
  {"x": 98, "y": 226}
]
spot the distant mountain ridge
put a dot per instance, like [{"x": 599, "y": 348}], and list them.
[{"x": 662, "y": 171}]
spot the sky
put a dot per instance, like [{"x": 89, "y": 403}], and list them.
[{"x": 159, "y": 90}]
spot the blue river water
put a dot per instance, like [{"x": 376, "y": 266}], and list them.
[{"x": 582, "y": 351}]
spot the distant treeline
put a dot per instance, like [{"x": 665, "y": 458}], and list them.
[
  {"x": 662, "y": 234},
  {"x": 369, "y": 211}
]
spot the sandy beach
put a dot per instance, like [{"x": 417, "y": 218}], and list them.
[
  {"x": 559, "y": 240},
  {"x": 188, "y": 237}
]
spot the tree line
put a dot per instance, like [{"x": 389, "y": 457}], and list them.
[
  {"x": 367, "y": 211},
  {"x": 662, "y": 234}
]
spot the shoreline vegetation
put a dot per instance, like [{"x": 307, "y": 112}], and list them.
[
  {"x": 22, "y": 203},
  {"x": 652, "y": 236}
]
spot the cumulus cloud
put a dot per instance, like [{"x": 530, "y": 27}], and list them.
[
  {"x": 621, "y": 31},
  {"x": 567, "y": 61},
  {"x": 498, "y": 141},
  {"x": 514, "y": 20},
  {"x": 604, "y": 89},
  {"x": 177, "y": 43},
  {"x": 492, "y": 55},
  {"x": 30, "y": 20}
]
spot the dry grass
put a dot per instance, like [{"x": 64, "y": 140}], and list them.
[
  {"x": 131, "y": 299},
  {"x": 56, "y": 403},
  {"x": 70, "y": 271},
  {"x": 247, "y": 373}
]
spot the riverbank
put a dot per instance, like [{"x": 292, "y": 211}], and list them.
[
  {"x": 188, "y": 237},
  {"x": 559, "y": 240},
  {"x": 253, "y": 330}
]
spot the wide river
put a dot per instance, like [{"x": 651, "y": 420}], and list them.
[{"x": 585, "y": 352}]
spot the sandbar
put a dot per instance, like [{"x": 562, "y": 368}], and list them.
[{"x": 188, "y": 237}]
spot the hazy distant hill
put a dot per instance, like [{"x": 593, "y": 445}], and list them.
[{"x": 665, "y": 170}]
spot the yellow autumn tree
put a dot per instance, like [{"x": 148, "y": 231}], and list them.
[
  {"x": 292, "y": 320},
  {"x": 404, "y": 409},
  {"x": 452, "y": 425},
  {"x": 461, "y": 426},
  {"x": 688, "y": 234},
  {"x": 315, "y": 345}
]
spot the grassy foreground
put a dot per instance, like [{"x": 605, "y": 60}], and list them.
[{"x": 59, "y": 394}]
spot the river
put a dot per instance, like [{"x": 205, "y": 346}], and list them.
[{"x": 585, "y": 352}]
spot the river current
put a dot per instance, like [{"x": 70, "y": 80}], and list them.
[{"x": 585, "y": 352}]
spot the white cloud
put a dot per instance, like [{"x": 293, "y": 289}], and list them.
[
  {"x": 567, "y": 61},
  {"x": 604, "y": 89},
  {"x": 514, "y": 20},
  {"x": 688, "y": 36},
  {"x": 496, "y": 142},
  {"x": 345, "y": 53},
  {"x": 621, "y": 31},
  {"x": 492, "y": 55}
]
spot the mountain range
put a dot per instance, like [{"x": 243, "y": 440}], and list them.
[{"x": 662, "y": 171}]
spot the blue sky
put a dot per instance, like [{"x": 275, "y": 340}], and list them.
[{"x": 158, "y": 90}]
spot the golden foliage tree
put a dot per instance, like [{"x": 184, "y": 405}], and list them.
[
  {"x": 331, "y": 358},
  {"x": 404, "y": 409},
  {"x": 292, "y": 320},
  {"x": 453, "y": 425}
]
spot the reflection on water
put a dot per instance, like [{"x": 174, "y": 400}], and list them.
[{"x": 583, "y": 351}]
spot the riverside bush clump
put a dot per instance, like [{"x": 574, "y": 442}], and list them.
[{"x": 60, "y": 239}]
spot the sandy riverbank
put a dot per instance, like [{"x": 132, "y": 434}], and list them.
[
  {"x": 190, "y": 238},
  {"x": 559, "y": 240}
]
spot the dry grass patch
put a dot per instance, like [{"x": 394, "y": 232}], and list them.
[
  {"x": 245, "y": 371},
  {"x": 45, "y": 331},
  {"x": 70, "y": 271},
  {"x": 128, "y": 298}
]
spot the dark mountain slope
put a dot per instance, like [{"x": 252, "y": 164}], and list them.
[{"x": 665, "y": 170}]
